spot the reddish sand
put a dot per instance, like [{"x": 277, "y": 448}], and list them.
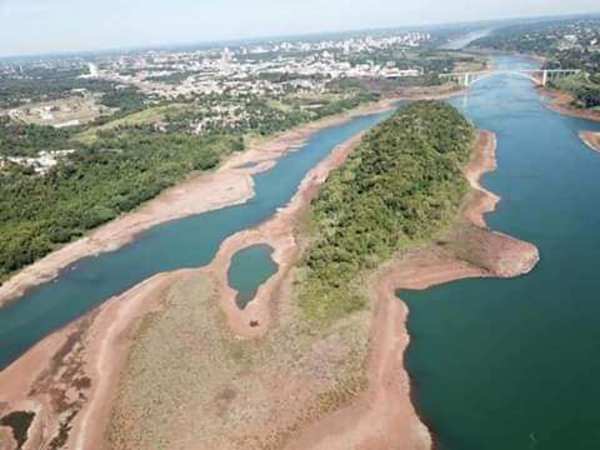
[
  {"x": 70, "y": 377},
  {"x": 75, "y": 370},
  {"x": 591, "y": 139},
  {"x": 199, "y": 194},
  {"x": 562, "y": 102},
  {"x": 384, "y": 417},
  {"x": 278, "y": 232},
  {"x": 231, "y": 184}
]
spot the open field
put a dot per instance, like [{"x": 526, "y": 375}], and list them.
[
  {"x": 70, "y": 111},
  {"x": 148, "y": 116}
]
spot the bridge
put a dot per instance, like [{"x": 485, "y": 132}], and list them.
[{"x": 540, "y": 76}]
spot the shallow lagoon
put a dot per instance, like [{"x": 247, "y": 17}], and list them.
[
  {"x": 188, "y": 242},
  {"x": 249, "y": 269}
]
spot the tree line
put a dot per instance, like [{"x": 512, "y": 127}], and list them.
[
  {"x": 94, "y": 185},
  {"x": 401, "y": 185}
]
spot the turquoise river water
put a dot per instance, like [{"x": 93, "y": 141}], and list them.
[
  {"x": 189, "y": 242},
  {"x": 250, "y": 267},
  {"x": 496, "y": 364},
  {"x": 515, "y": 364}
]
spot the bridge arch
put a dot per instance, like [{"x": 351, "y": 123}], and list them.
[
  {"x": 468, "y": 78},
  {"x": 496, "y": 73}
]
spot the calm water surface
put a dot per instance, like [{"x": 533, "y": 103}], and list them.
[
  {"x": 250, "y": 267},
  {"x": 515, "y": 364},
  {"x": 189, "y": 242},
  {"x": 497, "y": 364}
]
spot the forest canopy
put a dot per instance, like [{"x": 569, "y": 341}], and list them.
[
  {"x": 93, "y": 186},
  {"x": 402, "y": 184}
]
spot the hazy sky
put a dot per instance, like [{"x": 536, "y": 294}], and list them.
[{"x": 32, "y": 26}]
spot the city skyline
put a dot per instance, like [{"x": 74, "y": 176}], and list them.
[{"x": 70, "y": 26}]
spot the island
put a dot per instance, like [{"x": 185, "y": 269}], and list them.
[{"x": 325, "y": 332}]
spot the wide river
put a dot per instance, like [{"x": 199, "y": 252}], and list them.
[
  {"x": 515, "y": 364},
  {"x": 496, "y": 364},
  {"x": 189, "y": 242}
]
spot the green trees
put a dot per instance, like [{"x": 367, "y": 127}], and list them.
[
  {"x": 121, "y": 166},
  {"x": 565, "y": 43},
  {"x": 18, "y": 139},
  {"x": 93, "y": 186},
  {"x": 402, "y": 184}
]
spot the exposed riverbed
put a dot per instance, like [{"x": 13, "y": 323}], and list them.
[
  {"x": 513, "y": 364},
  {"x": 496, "y": 364},
  {"x": 188, "y": 242}
]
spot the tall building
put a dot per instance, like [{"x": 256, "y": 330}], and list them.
[{"x": 227, "y": 56}]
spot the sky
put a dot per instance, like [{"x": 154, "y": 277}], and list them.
[{"x": 48, "y": 26}]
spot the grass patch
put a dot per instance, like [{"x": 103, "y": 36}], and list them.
[{"x": 145, "y": 117}]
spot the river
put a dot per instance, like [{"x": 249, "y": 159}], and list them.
[
  {"x": 515, "y": 364},
  {"x": 496, "y": 364},
  {"x": 189, "y": 242}
]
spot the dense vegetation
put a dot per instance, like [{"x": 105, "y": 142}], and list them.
[
  {"x": 265, "y": 116},
  {"x": 585, "y": 89},
  {"x": 572, "y": 43},
  {"x": 122, "y": 161},
  {"x": 94, "y": 185},
  {"x": 402, "y": 184},
  {"x": 18, "y": 139},
  {"x": 125, "y": 99}
]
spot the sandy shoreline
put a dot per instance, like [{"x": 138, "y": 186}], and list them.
[
  {"x": 69, "y": 378},
  {"x": 231, "y": 184},
  {"x": 561, "y": 103},
  {"x": 279, "y": 233},
  {"x": 591, "y": 139},
  {"x": 384, "y": 416}
]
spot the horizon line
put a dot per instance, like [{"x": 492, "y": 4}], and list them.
[{"x": 265, "y": 38}]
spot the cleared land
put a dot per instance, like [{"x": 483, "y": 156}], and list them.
[
  {"x": 148, "y": 116},
  {"x": 70, "y": 111}
]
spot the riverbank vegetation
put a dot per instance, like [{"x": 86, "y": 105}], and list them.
[
  {"x": 93, "y": 186},
  {"x": 401, "y": 185},
  {"x": 585, "y": 89},
  {"x": 112, "y": 166},
  {"x": 572, "y": 43},
  {"x": 62, "y": 177}
]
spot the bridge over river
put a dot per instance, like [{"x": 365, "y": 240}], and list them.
[{"x": 538, "y": 76}]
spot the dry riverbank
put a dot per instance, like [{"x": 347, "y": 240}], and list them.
[
  {"x": 70, "y": 378},
  {"x": 126, "y": 375},
  {"x": 591, "y": 139},
  {"x": 383, "y": 416},
  {"x": 229, "y": 185},
  {"x": 562, "y": 102}
]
